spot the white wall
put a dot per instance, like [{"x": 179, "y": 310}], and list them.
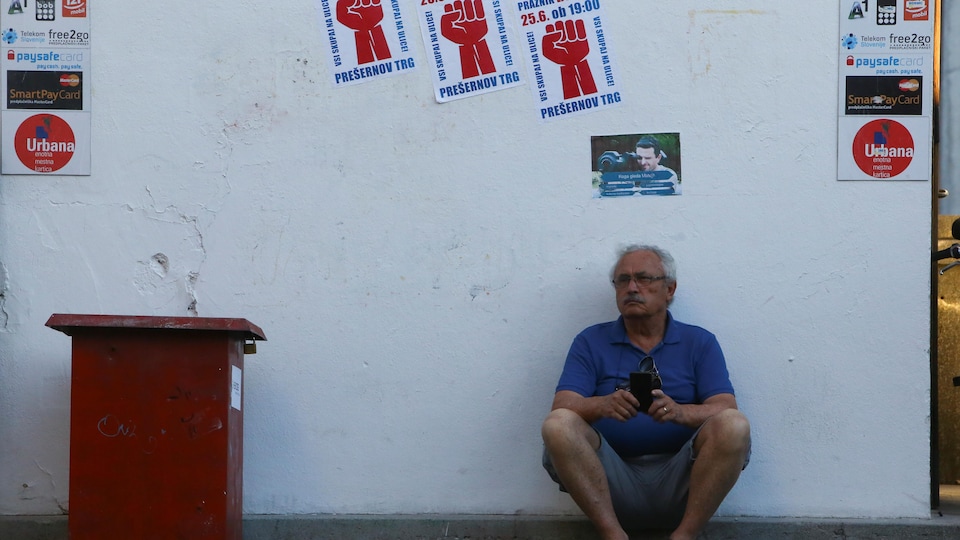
[{"x": 420, "y": 269}]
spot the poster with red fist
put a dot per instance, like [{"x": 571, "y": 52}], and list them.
[
  {"x": 471, "y": 47},
  {"x": 569, "y": 57},
  {"x": 367, "y": 40}
]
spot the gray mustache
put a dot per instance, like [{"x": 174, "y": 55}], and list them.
[{"x": 635, "y": 298}]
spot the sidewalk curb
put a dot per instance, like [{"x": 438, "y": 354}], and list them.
[{"x": 509, "y": 527}]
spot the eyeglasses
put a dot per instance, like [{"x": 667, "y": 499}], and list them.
[
  {"x": 646, "y": 365},
  {"x": 623, "y": 280}
]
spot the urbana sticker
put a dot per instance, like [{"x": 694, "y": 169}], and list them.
[{"x": 44, "y": 143}]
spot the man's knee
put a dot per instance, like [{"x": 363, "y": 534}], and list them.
[
  {"x": 559, "y": 421},
  {"x": 563, "y": 425},
  {"x": 728, "y": 430}
]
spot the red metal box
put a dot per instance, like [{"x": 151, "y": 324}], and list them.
[{"x": 156, "y": 426}]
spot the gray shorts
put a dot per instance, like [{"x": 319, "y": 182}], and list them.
[{"x": 648, "y": 492}]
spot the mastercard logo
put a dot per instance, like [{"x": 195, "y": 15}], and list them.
[
  {"x": 72, "y": 79},
  {"x": 909, "y": 85}
]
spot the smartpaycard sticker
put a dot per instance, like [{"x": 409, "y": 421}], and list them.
[
  {"x": 470, "y": 46},
  {"x": 570, "y": 62},
  {"x": 882, "y": 95},
  {"x": 60, "y": 90},
  {"x": 367, "y": 39}
]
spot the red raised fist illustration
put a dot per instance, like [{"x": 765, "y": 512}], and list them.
[
  {"x": 565, "y": 43},
  {"x": 363, "y": 17},
  {"x": 463, "y": 23}
]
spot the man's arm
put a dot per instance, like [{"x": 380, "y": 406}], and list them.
[
  {"x": 620, "y": 405},
  {"x": 665, "y": 409}
]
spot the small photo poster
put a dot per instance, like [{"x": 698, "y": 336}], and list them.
[
  {"x": 470, "y": 46},
  {"x": 367, "y": 40},
  {"x": 636, "y": 164}
]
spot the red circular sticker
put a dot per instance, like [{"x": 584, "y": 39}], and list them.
[
  {"x": 883, "y": 148},
  {"x": 44, "y": 143}
]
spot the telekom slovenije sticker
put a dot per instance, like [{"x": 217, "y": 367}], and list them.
[
  {"x": 570, "y": 61},
  {"x": 367, "y": 39},
  {"x": 470, "y": 46}
]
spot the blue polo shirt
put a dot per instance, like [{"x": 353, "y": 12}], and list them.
[{"x": 690, "y": 363}]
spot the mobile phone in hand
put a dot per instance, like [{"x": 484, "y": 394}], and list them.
[{"x": 641, "y": 384}]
